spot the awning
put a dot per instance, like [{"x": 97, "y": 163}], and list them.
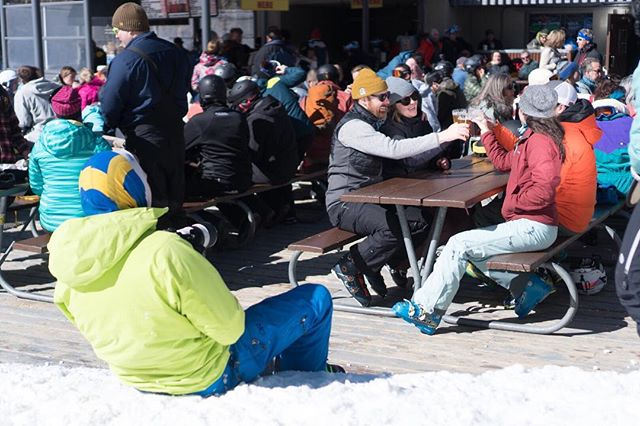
[{"x": 536, "y": 2}]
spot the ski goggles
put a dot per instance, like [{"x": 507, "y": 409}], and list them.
[
  {"x": 400, "y": 73},
  {"x": 583, "y": 36}
]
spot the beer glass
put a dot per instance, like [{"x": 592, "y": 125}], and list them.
[{"x": 460, "y": 116}]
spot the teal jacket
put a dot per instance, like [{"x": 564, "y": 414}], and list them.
[
  {"x": 151, "y": 306},
  {"x": 279, "y": 87},
  {"x": 54, "y": 168}
]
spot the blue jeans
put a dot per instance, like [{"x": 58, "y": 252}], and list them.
[
  {"x": 293, "y": 327},
  {"x": 477, "y": 246}
]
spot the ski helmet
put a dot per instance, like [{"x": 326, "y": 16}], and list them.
[
  {"x": 212, "y": 89},
  {"x": 589, "y": 275},
  {"x": 445, "y": 67},
  {"x": 227, "y": 72},
  {"x": 243, "y": 90},
  {"x": 328, "y": 72},
  {"x": 472, "y": 64}
]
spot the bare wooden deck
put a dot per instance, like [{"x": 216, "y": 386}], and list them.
[{"x": 601, "y": 336}]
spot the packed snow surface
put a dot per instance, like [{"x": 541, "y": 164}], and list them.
[{"x": 58, "y": 395}]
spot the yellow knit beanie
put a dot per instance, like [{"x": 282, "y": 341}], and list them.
[{"x": 367, "y": 83}]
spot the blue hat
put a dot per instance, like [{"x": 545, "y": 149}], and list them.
[
  {"x": 113, "y": 181},
  {"x": 585, "y": 35}
]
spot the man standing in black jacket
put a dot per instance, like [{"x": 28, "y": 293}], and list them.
[
  {"x": 146, "y": 97},
  {"x": 217, "y": 145}
]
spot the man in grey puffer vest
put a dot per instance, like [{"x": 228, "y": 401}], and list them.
[{"x": 356, "y": 160}]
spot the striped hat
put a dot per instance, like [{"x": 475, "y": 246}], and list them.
[{"x": 113, "y": 180}]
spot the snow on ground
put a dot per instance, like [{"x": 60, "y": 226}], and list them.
[{"x": 55, "y": 395}]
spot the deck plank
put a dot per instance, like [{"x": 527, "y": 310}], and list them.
[{"x": 601, "y": 336}]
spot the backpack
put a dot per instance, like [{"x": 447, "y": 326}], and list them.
[
  {"x": 273, "y": 145},
  {"x": 321, "y": 106}
]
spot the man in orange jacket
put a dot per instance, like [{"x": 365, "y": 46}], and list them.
[{"x": 576, "y": 194}]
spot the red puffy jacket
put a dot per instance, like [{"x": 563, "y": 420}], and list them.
[{"x": 535, "y": 166}]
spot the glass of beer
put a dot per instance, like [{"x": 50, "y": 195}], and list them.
[{"x": 460, "y": 116}]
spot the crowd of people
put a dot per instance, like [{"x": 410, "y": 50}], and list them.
[{"x": 261, "y": 116}]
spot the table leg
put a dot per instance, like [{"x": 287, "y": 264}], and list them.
[
  {"x": 434, "y": 239},
  {"x": 408, "y": 243}
]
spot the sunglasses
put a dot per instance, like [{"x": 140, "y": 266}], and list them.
[
  {"x": 524, "y": 57},
  {"x": 579, "y": 39},
  {"x": 115, "y": 30},
  {"x": 400, "y": 73},
  {"x": 406, "y": 101},
  {"x": 381, "y": 97}
]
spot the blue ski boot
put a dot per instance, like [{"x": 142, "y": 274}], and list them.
[
  {"x": 414, "y": 314},
  {"x": 534, "y": 292}
]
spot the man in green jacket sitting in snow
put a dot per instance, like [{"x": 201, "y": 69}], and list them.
[{"x": 157, "y": 311}]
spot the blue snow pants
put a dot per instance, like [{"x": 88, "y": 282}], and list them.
[{"x": 293, "y": 328}]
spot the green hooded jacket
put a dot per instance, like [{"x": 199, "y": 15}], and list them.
[{"x": 151, "y": 306}]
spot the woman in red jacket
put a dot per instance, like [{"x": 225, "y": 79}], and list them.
[{"x": 529, "y": 210}]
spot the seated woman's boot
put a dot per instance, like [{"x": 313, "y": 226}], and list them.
[
  {"x": 535, "y": 291},
  {"x": 415, "y": 314}
]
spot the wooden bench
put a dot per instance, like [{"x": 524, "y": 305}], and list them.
[
  {"x": 530, "y": 262},
  {"x": 194, "y": 206},
  {"x": 26, "y": 202},
  {"x": 236, "y": 199},
  {"x": 34, "y": 244},
  {"x": 324, "y": 242}
]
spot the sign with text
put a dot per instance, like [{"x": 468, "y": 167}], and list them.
[
  {"x": 162, "y": 9},
  {"x": 282, "y": 5},
  {"x": 373, "y": 4}
]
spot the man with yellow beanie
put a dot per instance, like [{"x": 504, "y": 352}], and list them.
[
  {"x": 358, "y": 152},
  {"x": 146, "y": 97}
]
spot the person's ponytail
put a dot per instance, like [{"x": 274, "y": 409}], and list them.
[{"x": 550, "y": 127}]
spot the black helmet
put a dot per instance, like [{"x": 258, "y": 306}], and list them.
[
  {"x": 243, "y": 90},
  {"x": 433, "y": 77},
  {"x": 472, "y": 64},
  {"x": 328, "y": 72},
  {"x": 445, "y": 67},
  {"x": 227, "y": 72},
  {"x": 212, "y": 89}
]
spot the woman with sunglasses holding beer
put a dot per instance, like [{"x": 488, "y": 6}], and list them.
[{"x": 406, "y": 120}]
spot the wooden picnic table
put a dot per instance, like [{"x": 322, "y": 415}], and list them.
[{"x": 470, "y": 180}]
